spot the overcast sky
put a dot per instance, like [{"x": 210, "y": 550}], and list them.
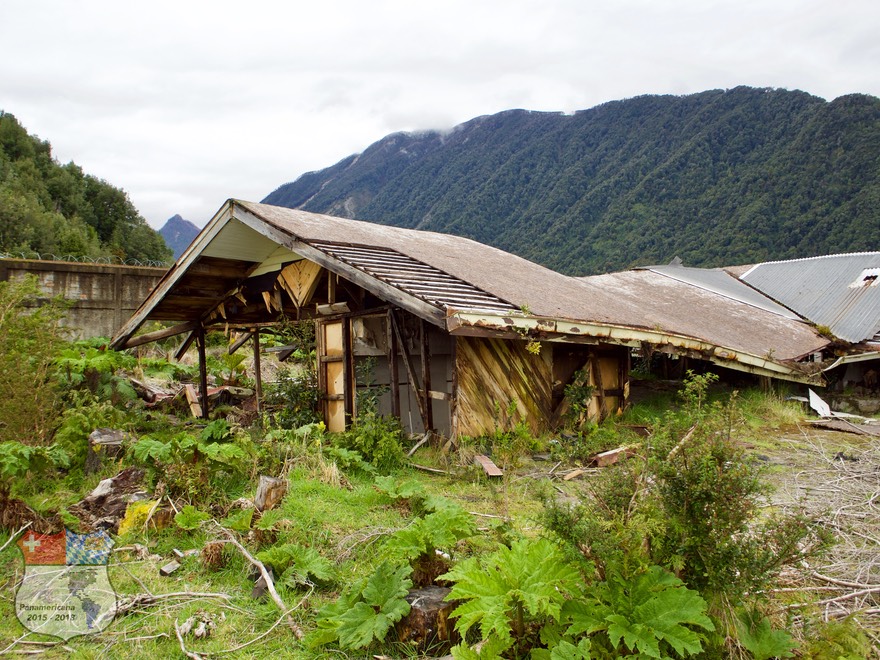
[{"x": 184, "y": 104}]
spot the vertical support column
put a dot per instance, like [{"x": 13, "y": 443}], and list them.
[
  {"x": 203, "y": 371},
  {"x": 258, "y": 376},
  {"x": 348, "y": 371},
  {"x": 393, "y": 366},
  {"x": 426, "y": 376}
]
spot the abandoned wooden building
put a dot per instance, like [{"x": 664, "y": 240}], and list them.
[{"x": 465, "y": 337}]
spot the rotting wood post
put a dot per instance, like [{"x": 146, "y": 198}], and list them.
[
  {"x": 258, "y": 377},
  {"x": 203, "y": 371},
  {"x": 393, "y": 366},
  {"x": 426, "y": 376},
  {"x": 350, "y": 386},
  {"x": 600, "y": 388},
  {"x": 410, "y": 372}
]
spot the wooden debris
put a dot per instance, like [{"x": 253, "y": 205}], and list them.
[
  {"x": 104, "y": 442},
  {"x": 192, "y": 398},
  {"x": 488, "y": 466},
  {"x": 169, "y": 568},
  {"x": 182, "y": 554},
  {"x": 574, "y": 474},
  {"x": 611, "y": 456},
  {"x": 428, "y": 620},
  {"x": 425, "y": 468},
  {"x": 847, "y": 427},
  {"x": 270, "y": 491},
  {"x": 421, "y": 442}
]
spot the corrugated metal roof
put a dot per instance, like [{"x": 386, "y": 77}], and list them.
[
  {"x": 414, "y": 277},
  {"x": 724, "y": 284},
  {"x": 836, "y": 291}
]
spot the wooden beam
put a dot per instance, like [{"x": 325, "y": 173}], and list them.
[
  {"x": 241, "y": 341},
  {"x": 184, "y": 347},
  {"x": 600, "y": 388},
  {"x": 393, "y": 366},
  {"x": 410, "y": 370},
  {"x": 157, "y": 335},
  {"x": 258, "y": 377},
  {"x": 350, "y": 386},
  {"x": 203, "y": 371},
  {"x": 426, "y": 376}
]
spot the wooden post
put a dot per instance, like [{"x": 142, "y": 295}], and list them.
[
  {"x": 203, "y": 371},
  {"x": 426, "y": 376},
  {"x": 350, "y": 388},
  {"x": 410, "y": 372},
  {"x": 258, "y": 376},
  {"x": 393, "y": 366}
]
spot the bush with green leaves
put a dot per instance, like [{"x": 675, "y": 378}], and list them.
[
  {"x": 512, "y": 594},
  {"x": 421, "y": 542},
  {"x": 296, "y": 565},
  {"x": 194, "y": 467},
  {"x": 377, "y": 438},
  {"x": 366, "y": 612},
  {"x": 19, "y": 461},
  {"x": 31, "y": 337},
  {"x": 293, "y": 398},
  {"x": 89, "y": 365},
  {"x": 690, "y": 502}
]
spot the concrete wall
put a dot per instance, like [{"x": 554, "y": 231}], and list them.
[{"x": 104, "y": 296}]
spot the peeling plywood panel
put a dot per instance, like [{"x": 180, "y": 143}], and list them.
[{"x": 496, "y": 375}]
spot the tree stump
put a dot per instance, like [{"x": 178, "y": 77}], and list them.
[
  {"x": 104, "y": 442},
  {"x": 270, "y": 491},
  {"x": 428, "y": 620}
]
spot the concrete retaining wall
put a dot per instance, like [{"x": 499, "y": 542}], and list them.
[{"x": 104, "y": 296}]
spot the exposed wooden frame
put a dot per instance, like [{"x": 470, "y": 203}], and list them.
[
  {"x": 258, "y": 376},
  {"x": 426, "y": 377},
  {"x": 393, "y": 365},
  {"x": 203, "y": 371},
  {"x": 158, "y": 335},
  {"x": 410, "y": 370}
]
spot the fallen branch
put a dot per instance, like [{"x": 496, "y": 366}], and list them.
[
  {"x": 265, "y": 633},
  {"x": 188, "y": 654},
  {"x": 125, "y": 605},
  {"x": 429, "y": 469},
  {"x": 270, "y": 584},
  {"x": 15, "y": 536}
]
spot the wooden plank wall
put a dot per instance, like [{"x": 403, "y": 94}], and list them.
[{"x": 492, "y": 374}]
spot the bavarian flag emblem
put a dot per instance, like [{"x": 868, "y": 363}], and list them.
[{"x": 65, "y": 590}]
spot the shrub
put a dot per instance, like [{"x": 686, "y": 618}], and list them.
[{"x": 32, "y": 336}]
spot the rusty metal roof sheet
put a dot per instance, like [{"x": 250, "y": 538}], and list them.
[{"x": 839, "y": 291}]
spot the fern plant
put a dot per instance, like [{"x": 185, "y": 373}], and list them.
[
  {"x": 297, "y": 565},
  {"x": 420, "y": 542},
  {"x": 511, "y": 594},
  {"x": 366, "y": 612},
  {"x": 652, "y": 614}
]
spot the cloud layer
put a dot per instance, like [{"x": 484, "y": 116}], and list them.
[{"x": 184, "y": 104}]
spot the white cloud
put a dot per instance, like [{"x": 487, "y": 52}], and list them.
[{"x": 184, "y": 104}]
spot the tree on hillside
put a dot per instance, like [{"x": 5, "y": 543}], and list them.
[{"x": 47, "y": 207}]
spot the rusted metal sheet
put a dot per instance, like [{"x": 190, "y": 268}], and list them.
[{"x": 499, "y": 385}]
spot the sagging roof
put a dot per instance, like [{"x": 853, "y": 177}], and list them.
[
  {"x": 839, "y": 291},
  {"x": 465, "y": 287}
]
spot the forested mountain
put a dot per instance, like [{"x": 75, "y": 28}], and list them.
[
  {"x": 50, "y": 208},
  {"x": 178, "y": 234},
  {"x": 717, "y": 178}
]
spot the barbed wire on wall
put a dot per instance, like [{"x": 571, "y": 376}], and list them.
[{"x": 110, "y": 261}]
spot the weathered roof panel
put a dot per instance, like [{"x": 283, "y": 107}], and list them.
[
  {"x": 676, "y": 306},
  {"x": 719, "y": 281},
  {"x": 839, "y": 291}
]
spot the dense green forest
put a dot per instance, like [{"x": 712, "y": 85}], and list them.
[
  {"x": 717, "y": 178},
  {"x": 55, "y": 209}
]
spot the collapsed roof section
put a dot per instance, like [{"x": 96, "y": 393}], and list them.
[{"x": 254, "y": 264}]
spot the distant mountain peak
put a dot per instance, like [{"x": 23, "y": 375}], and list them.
[{"x": 178, "y": 234}]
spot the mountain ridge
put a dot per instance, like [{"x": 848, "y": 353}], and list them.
[
  {"x": 178, "y": 233},
  {"x": 718, "y": 178}
]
